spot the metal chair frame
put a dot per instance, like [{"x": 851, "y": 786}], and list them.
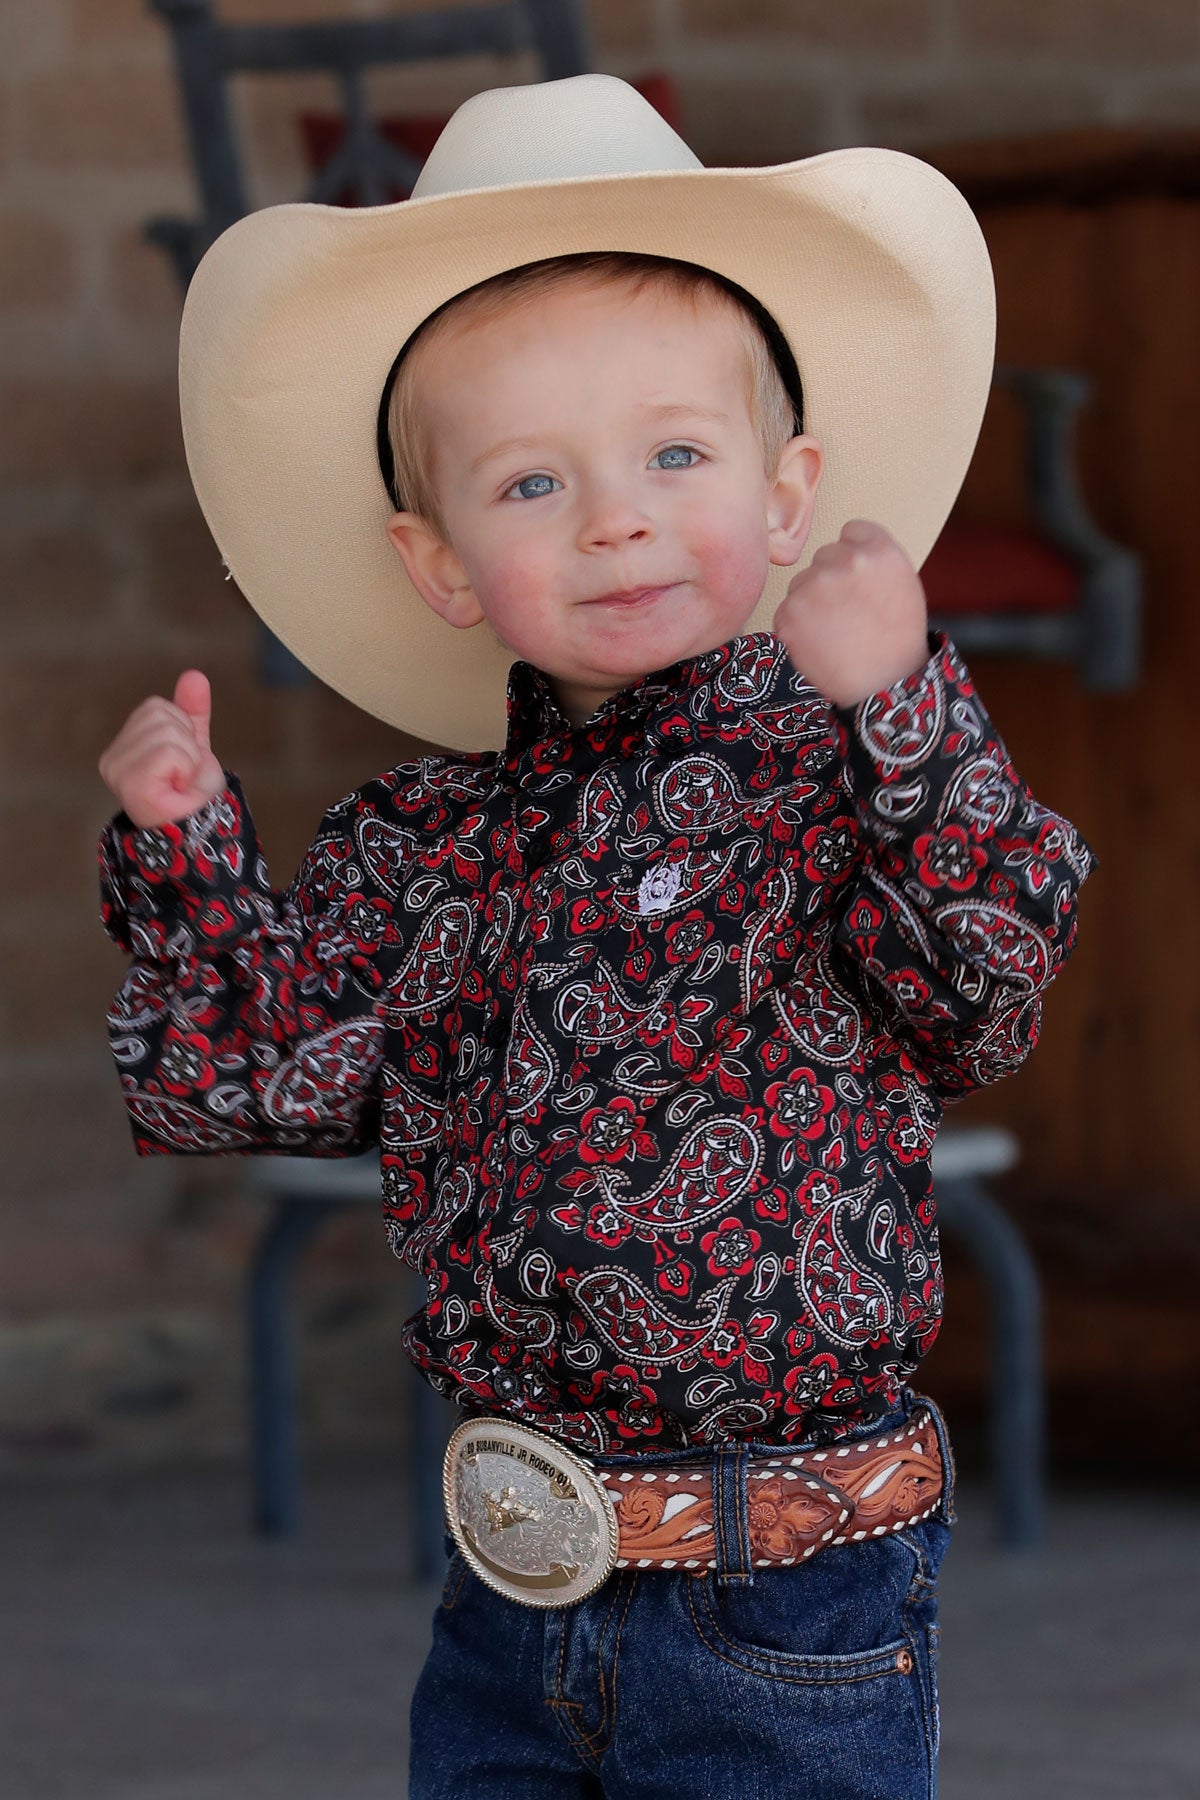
[
  {"x": 1102, "y": 635},
  {"x": 275, "y": 1391},
  {"x": 208, "y": 52}
]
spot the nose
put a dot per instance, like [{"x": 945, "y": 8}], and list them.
[{"x": 612, "y": 518}]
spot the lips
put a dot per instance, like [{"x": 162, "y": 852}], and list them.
[{"x": 630, "y": 596}]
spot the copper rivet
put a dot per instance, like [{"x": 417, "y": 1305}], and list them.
[{"x": 904, "y": 1662}]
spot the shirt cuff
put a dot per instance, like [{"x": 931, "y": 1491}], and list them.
[
  {"x": 153, "y": 877},
  {"x": 898, "y": 744}
]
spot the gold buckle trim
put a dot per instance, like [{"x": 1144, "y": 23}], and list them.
[{"x": 533, "y": 1520}]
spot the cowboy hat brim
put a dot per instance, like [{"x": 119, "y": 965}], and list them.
[{"x": 869, "y": 260}]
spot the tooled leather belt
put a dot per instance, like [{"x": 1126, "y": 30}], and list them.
[
  {"x": 796, "y": 1504},
  {"x": 542, "y": 1525}
]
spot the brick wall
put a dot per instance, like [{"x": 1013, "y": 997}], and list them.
[{"x": 119, "y": 1278}]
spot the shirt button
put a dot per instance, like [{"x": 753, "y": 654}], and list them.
[
  {"x": 539, "y": 849},
  {"x": 495, "y": 1033}
]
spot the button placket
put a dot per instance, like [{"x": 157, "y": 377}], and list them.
[{"x": 540, "y": 848}]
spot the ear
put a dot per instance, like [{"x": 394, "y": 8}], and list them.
[
  {"x": 434, "y": 570},
  {"x": 791, "y": 498}
]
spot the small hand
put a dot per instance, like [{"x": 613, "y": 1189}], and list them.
[
  {"x": 160, "y": 765},
  {"x": 855, "y": 619}
]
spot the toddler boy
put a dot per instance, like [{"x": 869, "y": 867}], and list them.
[{"x": 651, "y": 1008}]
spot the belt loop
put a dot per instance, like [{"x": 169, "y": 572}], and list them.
[
  {"x": 949, "y": 1473},
  {"x": 945, "y": 1503},
  {"x": 731, "y": 1516}
]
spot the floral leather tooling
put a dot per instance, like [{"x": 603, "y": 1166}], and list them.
[{"x": 653, "y": 1021}]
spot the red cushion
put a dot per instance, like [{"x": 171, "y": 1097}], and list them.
[
  {"x": 323, "y": 132},
  {"x": 987, "y": 569}
]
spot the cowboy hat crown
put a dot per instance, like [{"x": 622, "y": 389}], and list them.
[{"x": 585, "y": 124}]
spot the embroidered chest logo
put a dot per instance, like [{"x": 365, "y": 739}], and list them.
[{"x": 659, "y": 887}]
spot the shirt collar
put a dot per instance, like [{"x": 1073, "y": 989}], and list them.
[{"x": 677, "y": 704}]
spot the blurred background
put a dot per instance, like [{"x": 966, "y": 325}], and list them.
[{"x": 1067, "y": 575}]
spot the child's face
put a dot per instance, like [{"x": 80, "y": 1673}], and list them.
[{"x": 602, "y": 485}]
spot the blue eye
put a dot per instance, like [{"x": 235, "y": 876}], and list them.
[
  {"x": 671, "y": 457},
  {"x": 532, "y": 487}
]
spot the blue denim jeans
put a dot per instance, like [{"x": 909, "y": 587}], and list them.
[{"x": 817, "y": 1680}]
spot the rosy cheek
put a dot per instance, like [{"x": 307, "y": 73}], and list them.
[
  {"x": 516, "y": 575},
  {"x": 513, "y": 582},
  {"x": 733, "y": 554}
]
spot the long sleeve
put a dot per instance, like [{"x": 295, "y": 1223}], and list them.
[
  {"x": 249, "y": 1020},
  {"x": 964, "y": 906}
]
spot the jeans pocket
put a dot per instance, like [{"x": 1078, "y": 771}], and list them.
[
  {"x": 840, "y": 1617},
  {"x": 932, "y": 1638},
  {"x": 929, "y": 1542}
]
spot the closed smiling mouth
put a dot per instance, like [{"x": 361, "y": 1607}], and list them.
[{"x": 631, "y": 596}]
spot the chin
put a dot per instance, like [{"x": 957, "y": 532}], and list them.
[{"x": 643, "y": 652}]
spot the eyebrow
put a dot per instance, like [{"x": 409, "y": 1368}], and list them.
[
  {"x": 678, "y": 410},
  {"x": 502, "y": 449},
  {"x": 662, "y": 414}
]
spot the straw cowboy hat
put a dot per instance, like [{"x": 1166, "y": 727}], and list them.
[{"x": 869, "y": 261}]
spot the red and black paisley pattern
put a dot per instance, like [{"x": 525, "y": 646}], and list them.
[{"x": 653, "y": 1022}]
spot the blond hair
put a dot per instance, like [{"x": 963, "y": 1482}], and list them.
[{"x": 775, "y": 415}]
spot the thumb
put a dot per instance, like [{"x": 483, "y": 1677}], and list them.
[
  {"x": 868, "y": 534},
  {"x": 193, "y": 695}
]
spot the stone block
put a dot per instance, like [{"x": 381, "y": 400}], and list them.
[
  {"x": 52, "y": 850},
  {"x": 116, "y": 25},
  {"x": 52, "y": 579},
  {"x": 56, "y": 717},
  {"x": 729, "y": 122},
  {"x": 70, "y": 1169},
  {"x": 31, "y": 36},
  {"x": 862, "y": 25},
  {"x": 141, "y": 279},
  {"x": 345, "y": 733},
  {"x": 188, "y": 588},
  {"x": 93, "y": 426},
  {"x": 622, "y": 28},
  {"x": 1091, "y": 30},
  {"x": 103, "y": 119},
  {"x": 38, "y": 262},
  {"x": 936, "y": 112},
  {"x": 250, "y": 722},
  {"x": 52, "y": 996}
]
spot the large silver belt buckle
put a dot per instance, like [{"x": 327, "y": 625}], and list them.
[{"x": 531, "y": 1518}]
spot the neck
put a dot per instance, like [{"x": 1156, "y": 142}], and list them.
[{"x": 577, "y": 702}]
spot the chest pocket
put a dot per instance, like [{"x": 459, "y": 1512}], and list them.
[
  {"x": 703, "y": 920},
  {"x": 681, "y": 915},
  {"x": 703, "y": 900},
  {"x": 671, "y": 882}
]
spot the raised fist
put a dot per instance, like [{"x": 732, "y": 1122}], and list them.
[
  {"x": 855, "y": 621},
  {"x": 159, "y": 765}
]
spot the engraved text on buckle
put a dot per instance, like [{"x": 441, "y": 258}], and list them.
[{"x": 530, "y": 1517}]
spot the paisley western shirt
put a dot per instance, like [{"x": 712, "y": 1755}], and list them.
[{"x": 652, "y": 1021}]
